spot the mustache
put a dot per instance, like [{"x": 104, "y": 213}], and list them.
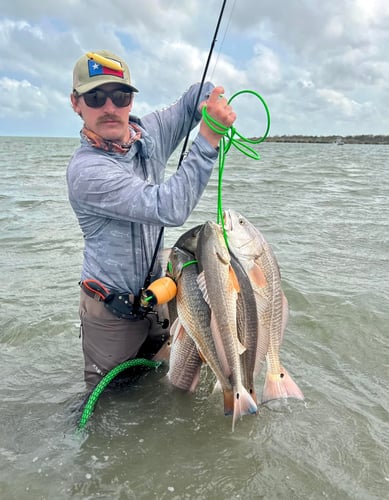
[{"x": 109, "y": 118}]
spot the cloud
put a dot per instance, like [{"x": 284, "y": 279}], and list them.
[
  {"x": 319, "y": 65},
  {"x": 338, "y": 101},
  {"x": 30, "y": 100}
]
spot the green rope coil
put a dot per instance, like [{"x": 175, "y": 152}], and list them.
[
  {"x": 231, "y": 137},
  {"x": 106, "y": 380}
]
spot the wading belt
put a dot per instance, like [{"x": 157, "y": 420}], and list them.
[{"x": 121, "y": 304}]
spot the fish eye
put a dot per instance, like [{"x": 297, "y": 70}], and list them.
[{"x": 241, "y": 222}]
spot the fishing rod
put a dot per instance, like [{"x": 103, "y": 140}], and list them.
[
  {"x": 183, "y": 152},
  {"x": 202, "y": 81}
]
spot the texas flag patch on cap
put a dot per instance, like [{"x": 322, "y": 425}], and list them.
[{"x": 96, "y": 69}]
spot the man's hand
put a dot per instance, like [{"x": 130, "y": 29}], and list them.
[{"x": 219, "y": 110}]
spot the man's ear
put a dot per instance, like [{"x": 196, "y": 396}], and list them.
[{"x": 74, "y": 103}]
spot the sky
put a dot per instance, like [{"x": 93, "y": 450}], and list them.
[{"x": 321, "y": 66}]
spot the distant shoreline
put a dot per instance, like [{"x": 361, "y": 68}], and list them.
[
  {"x": 331, "y": 139},
  {"x": 302, "y": 139}
]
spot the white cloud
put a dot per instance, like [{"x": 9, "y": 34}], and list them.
[
  {"x": 339, "y": 102},
  {"x": 316, "y": 63},
  {"x": 21, "y": 96}
]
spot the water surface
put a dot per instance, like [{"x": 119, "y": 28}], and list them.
[{"x": 324, "y": 209}]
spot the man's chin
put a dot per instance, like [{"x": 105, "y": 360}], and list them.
[{"x": 112, "y": 131}]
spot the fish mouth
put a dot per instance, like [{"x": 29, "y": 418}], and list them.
[
  {"x": 231, "y": 223},
  {"x": 229, "y": 226},
  {"x": 227, "y": 220}
]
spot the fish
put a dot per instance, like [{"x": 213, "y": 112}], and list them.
[
  {"x": 257, "y": 258},
  {"x": 195, "y": 317},
  {"x": 187, "y": 242},
  {"x": 247, "y": 325},
  {"x": 219, "y": 285},
  {"x": 184, "y": 362}
]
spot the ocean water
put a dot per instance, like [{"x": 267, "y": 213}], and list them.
[{"x": 325, "y": 211}]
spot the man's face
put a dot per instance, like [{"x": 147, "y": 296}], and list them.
[{"x": 109, "y": 121}]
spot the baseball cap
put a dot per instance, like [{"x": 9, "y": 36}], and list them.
[{"x": 96, "y": 68}]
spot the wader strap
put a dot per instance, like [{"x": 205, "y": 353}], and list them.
[{"x": 121, "y": 304}]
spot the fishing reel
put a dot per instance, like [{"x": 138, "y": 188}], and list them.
[{"x": 159, "y": 292}]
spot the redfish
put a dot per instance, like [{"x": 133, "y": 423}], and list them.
[
  {"x": 219, "y": 285},
  {"x": 257, "y": 258}
]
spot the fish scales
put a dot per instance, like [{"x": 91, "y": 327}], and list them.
[{"x": 185, "y": 362}]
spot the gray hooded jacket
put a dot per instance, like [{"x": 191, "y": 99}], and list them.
[{"x": 122, "y": 200}]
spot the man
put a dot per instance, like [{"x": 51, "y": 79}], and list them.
[{"x": 117, "y": 190}]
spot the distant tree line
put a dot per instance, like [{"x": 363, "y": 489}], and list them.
[{"x": 331, "y": 139}]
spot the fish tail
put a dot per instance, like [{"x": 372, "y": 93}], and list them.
[
  {"x": 280, "y": 385},
  {"x": 228, "y": 402},
  {"x": 253, "y": 394},
  {"x": 243, "y": 405},
  {"x": 228, "y": 397}
]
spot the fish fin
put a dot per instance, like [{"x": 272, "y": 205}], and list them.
[
  {"x": 203, "y": 287},
  {"x": 196, "y": 380},
  {"x": 219, "y": 346},
  {"x": 234, "y": 283},
  {"x": 251, "y": 390},
  {"x": 217, "y": 387},
  {"x": 280, "y": 385},
  {"x": 257, "y": 276},
  {"x": 243, "y": 405},
  {"x": 163, "y": 354},
  {"x": 176, "y": 330},
  {"x": 241, "y": 348}
]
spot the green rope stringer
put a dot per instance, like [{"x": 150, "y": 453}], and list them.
[
  {"x": 106, "y": 380},
  {"x": 231, "y": 137}
]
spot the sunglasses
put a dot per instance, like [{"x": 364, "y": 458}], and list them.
[{"x": 97, "y": 98}]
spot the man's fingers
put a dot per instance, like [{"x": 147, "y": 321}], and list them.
[{"x": 215, "y": 94}]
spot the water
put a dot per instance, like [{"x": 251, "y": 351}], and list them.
[{"x": 325, "y": 210}]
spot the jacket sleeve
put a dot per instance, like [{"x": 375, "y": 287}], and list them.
[
  {"x": 170, "y": 125},
  {"x": 100, "y": 188}
]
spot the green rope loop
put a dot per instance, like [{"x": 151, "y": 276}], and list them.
[
  {"x": 231, "y": 137},
  {"x": 189, "y": 263},
  {"x": 107, "y": 379},
  {"x": 213, "y": 124}
]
